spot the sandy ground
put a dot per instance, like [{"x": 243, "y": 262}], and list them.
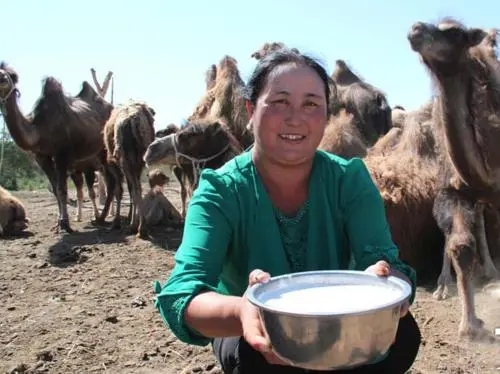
[{"x": 83, "y": 303}]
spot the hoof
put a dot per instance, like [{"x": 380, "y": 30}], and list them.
[
  {"x": 473, "y": 329},
  {"x": 62, "y": 225},
  {"x": 441, "y": 293}
]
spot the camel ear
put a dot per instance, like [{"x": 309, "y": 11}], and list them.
[{"x": 474, "y": 37}]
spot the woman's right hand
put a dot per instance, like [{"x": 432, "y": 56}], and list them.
[{"x": 253, "y": 331}]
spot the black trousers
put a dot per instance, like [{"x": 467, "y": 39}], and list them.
[{"x": 237, "y": 357}]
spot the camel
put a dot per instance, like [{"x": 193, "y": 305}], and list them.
[
  {"x": 13, "y": 220},
  {"x": 63, "y": 132},
  {"x": 170, "y": 129},
  {"x": 342, "y": 136},
  {"x": 418, "y": 135},
  {"x": 200, "y": 144},
  {"x": 127, "y": 134},
  {"x": 267, "y": 48},
  {"x": 466, "y": 73},
  {"x": 155, "y": 208},
  {"x": 368, "y": 104},
  {"x": 225, "y": 101}
]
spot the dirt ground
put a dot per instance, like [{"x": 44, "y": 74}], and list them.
[{"x": 83, "y": 303}]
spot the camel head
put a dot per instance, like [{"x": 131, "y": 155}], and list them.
[
  {"x": 157, "y": 178},
  {"x": 170, "y": 129},
  {"x": 446, "y": 42},
  {"x": 196, "y": 141},
  {"x": 8, "y": 81}
]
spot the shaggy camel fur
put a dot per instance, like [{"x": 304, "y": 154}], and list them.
[
  {"x": 342, "y": 137},
  {"x": 418, "y": 136},
  {"x": 13, "y": 219},
  {"x": 225, "y": 101},
  {"x": 406, "y": 177},
  {"x": 398, "y": 116},
  {"x": 156, "y": 209},
  {"x": 127, "y": 135},
  {"x": 199, "y": 145},
  {"x": 467, "y": 77},
  {"x": 63, "y": 132}
]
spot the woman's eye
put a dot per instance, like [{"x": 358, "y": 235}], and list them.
[{"x": 310, "y": 104}]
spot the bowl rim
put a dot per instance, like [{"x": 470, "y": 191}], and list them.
[{"x": 403, "y": 285}]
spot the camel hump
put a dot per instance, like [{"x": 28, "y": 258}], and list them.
[
  {"x": 87, "y": 91},
  {"x": 343, "y": 75},
  {"x": 51, "y": 86}
]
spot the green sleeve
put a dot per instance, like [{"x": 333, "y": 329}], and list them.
[
  {"x": 198, "y": 262},
  {"x": 366, "y": 222}
]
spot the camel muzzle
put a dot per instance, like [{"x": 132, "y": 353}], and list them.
[{"x": 161, "y": 151}]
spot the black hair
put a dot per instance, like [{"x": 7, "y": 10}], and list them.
[{"x": 282, "y": 56}]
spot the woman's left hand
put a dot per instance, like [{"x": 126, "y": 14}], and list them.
[{"x": 383, "y": 269}]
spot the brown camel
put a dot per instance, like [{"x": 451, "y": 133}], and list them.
[
  {"x": 268, "y": 48},
  {"x": 368, "y": 104},
  {"x": 170, "y": 129},
  {"x": 199, "y": 145},
  {"x": 13, "y": 220},
  {"x": 406, "y": 178},
  {"x": 63, "y": 132},
  {"x": 467, "y": 77},
  {"x": 156, "y": 209},
  {"x": 342, "y": 136},
  {"x": 127, "y": 135},
  {"x": 225, "y": 101},
  {"x": 416, "y": 128}
]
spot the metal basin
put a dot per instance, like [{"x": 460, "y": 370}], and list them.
[{"x": 327, "y": 331}]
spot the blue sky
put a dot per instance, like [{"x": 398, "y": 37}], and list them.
[{"x": 159, "y": 50}]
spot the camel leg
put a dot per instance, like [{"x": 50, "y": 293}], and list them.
[
  {"x": 179, "y": 175},
  {"x": 47, "y": 165},
  {"x": 118, "y": 192},
  {"x": 456, "y": 217},
  {"x": 110, "y": 181},
  {"x": 138, "y": 217},
  {"x": 62, "y": 192},
  {"x": 462, "y": 251},
  {"x": 489, "y": 269},
  {"x": 101, "y": 186},
  {"x": 77, "y": 179},
  {"x": 444, "y": 278},
  {"x": 90, "y": 180}
]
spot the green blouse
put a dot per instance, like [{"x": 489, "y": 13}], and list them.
[{"x": 232, "y": 228}]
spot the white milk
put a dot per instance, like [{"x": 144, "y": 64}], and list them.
[{"x": 330, "y": 299}]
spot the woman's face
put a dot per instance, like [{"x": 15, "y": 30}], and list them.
[{"x": 290, "y": 115}]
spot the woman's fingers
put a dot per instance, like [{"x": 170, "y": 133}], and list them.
[
  {"x": 258, "y": 276},
  {"x": 381, "y": 268}
]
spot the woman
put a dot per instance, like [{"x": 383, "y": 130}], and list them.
[{"x": 283, "y": 206}]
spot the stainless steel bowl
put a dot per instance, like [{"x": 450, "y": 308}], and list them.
[{"x": 330, "y": 341}]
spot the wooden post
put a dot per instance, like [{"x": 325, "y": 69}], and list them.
[{"x": 102, "y": 90}]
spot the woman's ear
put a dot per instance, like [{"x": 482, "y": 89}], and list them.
[{"x": 250, "y": 109}]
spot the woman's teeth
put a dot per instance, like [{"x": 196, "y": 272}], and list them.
[{"x": 292, "y": 136}]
